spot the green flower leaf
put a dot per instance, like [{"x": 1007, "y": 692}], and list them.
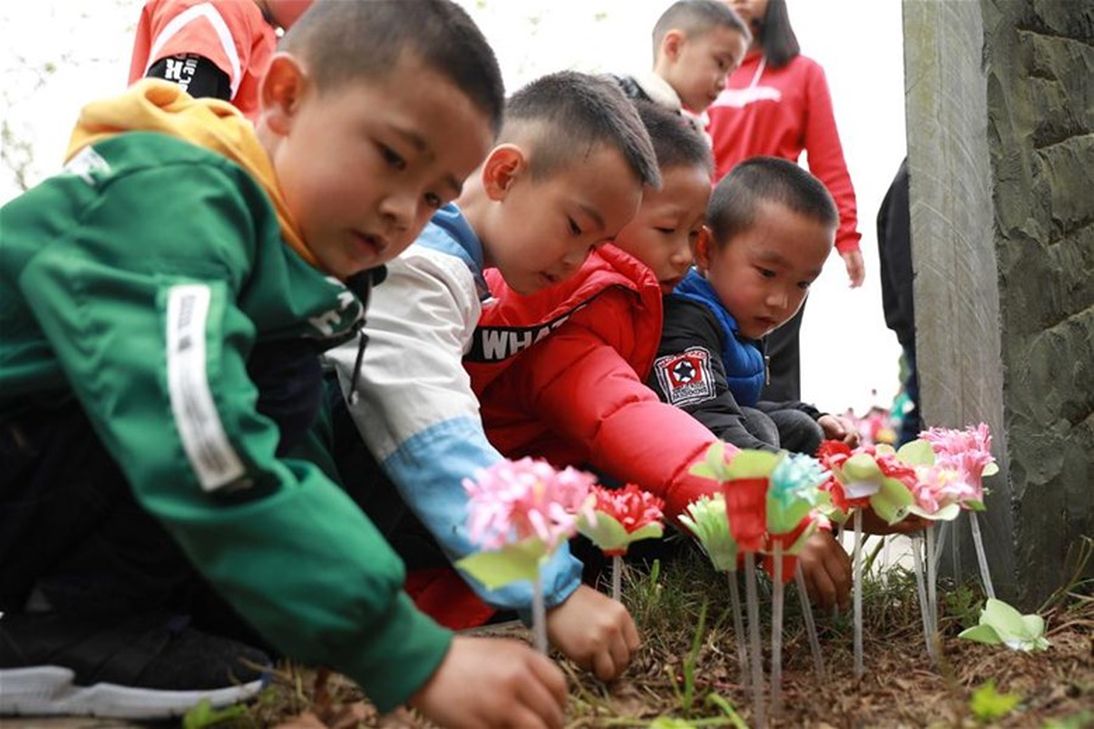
[
  {"x": 609, "y": 534},
  {"x": 861, "y": 467},
  {"x": 987, "y": 704},
  {"x": 517, "y": 561},
  {"x": 752, "y": 464},
  {"x": 916, "y": 453},
  {"x": 990, "y": 470},
  {"x": 1002, "y": 624},
  {"x": 782, "y": 519},
  {"x": 949, "y": 512},
  {"x": 702, "y": 470},
  {"x": 981, "y": 634},
  {"x": 892, "y": 501}
]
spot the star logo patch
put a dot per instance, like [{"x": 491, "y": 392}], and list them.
[{"x": 685, "y": 378}]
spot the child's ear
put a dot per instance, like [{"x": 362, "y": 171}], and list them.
[
  {"x": 281, "y": 92},
  {"x": 701, "y": 252},
  {"x": 502, "y": 167},
  {"x": 672, "y": 44}
]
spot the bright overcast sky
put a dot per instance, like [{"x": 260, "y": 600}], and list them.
[{"x": 847, "y": 353}]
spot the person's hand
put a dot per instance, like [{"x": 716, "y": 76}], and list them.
[
  {"x": 491, "y": 682},
  {"x": 839, "y": 428},
  {"x": 874, "y": 524},
  {"x": 856, "y": 269},
  {"x": 594, "y": 631},
  {"x": 827, "y": 570}
]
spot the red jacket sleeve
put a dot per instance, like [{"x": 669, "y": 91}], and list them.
[
  {"x": 584, "y": 390},
  {"x": 826, "y": 162}
]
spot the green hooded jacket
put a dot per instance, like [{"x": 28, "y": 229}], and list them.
[{"x": 137, "y": 282}]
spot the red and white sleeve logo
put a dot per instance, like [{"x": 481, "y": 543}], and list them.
[{"x": 685, "y": 378}]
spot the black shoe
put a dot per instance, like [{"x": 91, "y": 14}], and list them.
[{"x": 146, "y": 667}]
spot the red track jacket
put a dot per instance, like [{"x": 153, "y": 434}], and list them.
[{"x": 781, "y": 112}]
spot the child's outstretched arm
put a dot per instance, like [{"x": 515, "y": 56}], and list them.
[
  {"x": 417, "y": 413},
  {"x": 588, "y": 393}
]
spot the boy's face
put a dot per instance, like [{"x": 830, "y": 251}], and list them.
[
  {"x": 762, "y": 275},
  {"x": 698, "y": 67},
  {"x": 542, "y": 230},
  {"x": 364, "y": 165},
  {"x": 668, "y": 224}
]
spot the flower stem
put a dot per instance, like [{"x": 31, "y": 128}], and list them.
[
  {"x": 777, "y": 634},
  {"x": 739, "y": 628},
  {"x": 955, "y": 548},
  {"x": 810, "y": 623},
  {"x": 539, "y": 615},
  {"x": 932, "y": 580},
  {"x": 617, "y": 576},
  {"x": 921, "y": 590},
  {"x": 981, "y": 558},
  {"x": 859, "y": 669},
  {"x": 755, "y": 656}
]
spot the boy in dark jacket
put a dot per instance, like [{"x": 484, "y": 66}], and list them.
[
  {"x": 577, "y": 394},
  {"x": 771, "y": 229},
  {"x": 153, "y": 296}
]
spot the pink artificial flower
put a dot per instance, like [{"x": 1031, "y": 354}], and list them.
[
  {"x": 965, "y": 454},
  {"x": 630, "y": 506},
  {"x": 514, "y": 500}
]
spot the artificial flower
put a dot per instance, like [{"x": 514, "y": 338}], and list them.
[
  {"x": 708, "y": 521},
  {"x": 968, "y": 454},
  {"x": 515, "y": 500},
  {"x": 623, "y": 516},
  {"x": 1001, "y": 624}
]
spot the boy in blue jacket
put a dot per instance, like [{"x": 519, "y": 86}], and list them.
[
  {"x": 568, "y": 173},
  {"x": 772, "y": 226}
]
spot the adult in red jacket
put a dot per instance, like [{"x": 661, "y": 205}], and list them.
[
  {"x": 581, "y": 399},
  {"x": 777, "y": 104}
]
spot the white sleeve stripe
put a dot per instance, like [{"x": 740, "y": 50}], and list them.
[
  {"x": 207, "y": 448},
  {"x": 210, "y": 13}
]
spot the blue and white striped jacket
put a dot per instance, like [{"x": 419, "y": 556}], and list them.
[{"x": 416, "y": 411}]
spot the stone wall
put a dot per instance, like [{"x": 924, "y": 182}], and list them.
[{"x": 1001, "y": 153}]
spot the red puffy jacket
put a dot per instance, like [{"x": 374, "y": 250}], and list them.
[{"x": 578, "y": 397}]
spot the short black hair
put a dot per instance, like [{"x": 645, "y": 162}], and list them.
[
  {"x": 776, "y": 36},
  {"x": 568, "y": 114},
  {"x": 675, "y": 141},
  {"x": 732, "y": 208},
  {"x": 695, "y": 17},
  {"x": 345, "y": 40}
]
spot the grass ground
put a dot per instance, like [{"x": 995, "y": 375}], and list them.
[{"x": 684, "y": 677}]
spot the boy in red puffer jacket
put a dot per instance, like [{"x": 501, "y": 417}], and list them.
[{"x": 577, "y": 397}]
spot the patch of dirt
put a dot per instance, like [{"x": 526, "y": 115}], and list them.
[{"x": 900, "y": 689}]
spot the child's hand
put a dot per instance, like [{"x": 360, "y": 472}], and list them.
[
  {"x": 827, "y": 570},
  {"x": 856, "y": 269},
  {"x": 490, "y": 682},
  {"x": 594, "y": 631},
  {"x": 838, "y": 428},
  {"x": 874, "y": 524}
]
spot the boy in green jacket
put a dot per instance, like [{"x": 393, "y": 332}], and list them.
[{"x": 163, "y": 302}]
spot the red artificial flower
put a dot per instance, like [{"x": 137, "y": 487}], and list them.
[
  {"x": 630, "y": 506},
  {"x": 790, "y": 561},
  {"x": 746, "y": 505},
  {"x": 832, "y": 453}
]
